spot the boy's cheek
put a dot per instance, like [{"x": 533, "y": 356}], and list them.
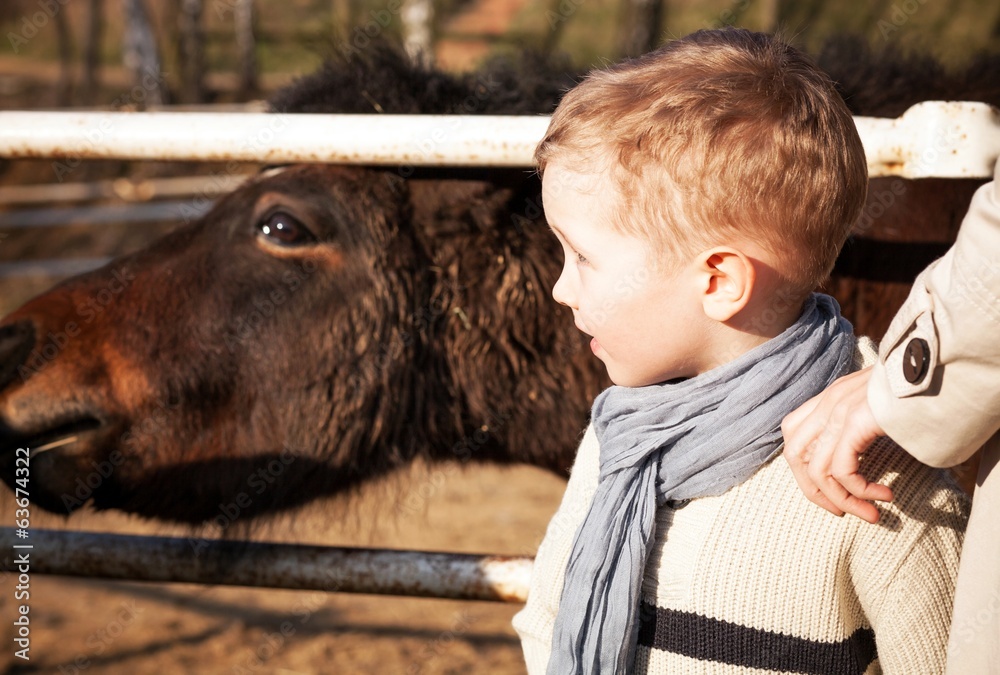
[
  {"x": 607, "y": 313},
  {"x": 597, "y": 314}
]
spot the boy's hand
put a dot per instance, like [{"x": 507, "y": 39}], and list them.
[{"x": 824, "y": 440}]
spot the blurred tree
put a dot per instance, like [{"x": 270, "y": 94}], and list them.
[
  {"x": 246, "y": 47},
  {"x": 141, "y": 56},
  {"x": 92, "y": 52},
  {"x": 417, "y": 16},
  {"x": 641, "y": 26},
  {"x": 64, "y": 88},
  {"x": 191, "y": 51}
]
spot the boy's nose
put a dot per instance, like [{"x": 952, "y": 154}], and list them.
[{"x": 562, "y": 291}]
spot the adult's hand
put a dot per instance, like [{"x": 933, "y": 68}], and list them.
[{"x": 824, "y": 440}]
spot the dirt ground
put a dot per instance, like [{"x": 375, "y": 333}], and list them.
[{"x": 87, "y": 626}]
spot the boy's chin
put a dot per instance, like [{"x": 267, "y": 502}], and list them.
[
  {"x": 628, "y": 377},
  {"x": 623, "y": 379},
  {"x": 615, "y": 379}
]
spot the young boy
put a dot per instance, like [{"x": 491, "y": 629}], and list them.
[{"x": 700, "y": 194}]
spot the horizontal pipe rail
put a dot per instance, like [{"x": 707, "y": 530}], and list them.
[
  {"x": 933, "y": 138},
  {"x": 128, "y": 190},
  {"x": 50, "y": 267},
  {"x": 289, "y": 566},
  {"x": 418, "y": 140},
  {"x": 108, "y": 214}
]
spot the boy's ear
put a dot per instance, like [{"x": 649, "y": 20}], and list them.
[{"x": 728, "y": 282}]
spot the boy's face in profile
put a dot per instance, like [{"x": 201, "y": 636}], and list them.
[{"x": 647, "y": 323}]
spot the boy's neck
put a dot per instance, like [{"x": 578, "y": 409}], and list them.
[{"x": 755, "y": 325}]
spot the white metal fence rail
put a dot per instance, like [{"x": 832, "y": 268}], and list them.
[
  {"x": 291, "y": 566},
  {"x": 934, "y": 138}
]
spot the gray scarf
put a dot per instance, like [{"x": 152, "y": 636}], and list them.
[{"x": 693, "y": 438}]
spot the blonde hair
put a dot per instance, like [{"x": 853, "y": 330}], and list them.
[{"x": 721, "y": 134}]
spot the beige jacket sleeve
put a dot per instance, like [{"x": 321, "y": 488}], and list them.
[{"x": 936, "y": 386}]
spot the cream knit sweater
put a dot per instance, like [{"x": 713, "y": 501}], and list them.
[{"x": 759, "y": 579}]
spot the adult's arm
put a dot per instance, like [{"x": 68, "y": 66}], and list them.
[{"x": 935, "y": 389}]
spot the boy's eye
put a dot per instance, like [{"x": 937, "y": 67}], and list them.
[{"x": 580, "y": 259}]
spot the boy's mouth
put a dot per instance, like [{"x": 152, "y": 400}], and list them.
[{"x": 594, "y": 344}]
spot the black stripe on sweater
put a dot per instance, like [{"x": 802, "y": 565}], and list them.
[{"x": 709, "y": 639}]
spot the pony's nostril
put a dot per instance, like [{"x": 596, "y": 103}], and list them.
[{"x": 16, "y": 342}]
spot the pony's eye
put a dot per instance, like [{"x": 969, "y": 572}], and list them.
[{"x": 285, "y": 230}]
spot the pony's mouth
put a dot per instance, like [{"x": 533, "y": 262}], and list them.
[
  {"x": 63, "y": 434},
  {"x": 53, "y": 435},
  {"x": 48, "y": 462}
]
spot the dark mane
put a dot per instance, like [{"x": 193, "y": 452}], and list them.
[
  {"x": 876, "y": 82},
  {"x": 885, "y": 82},
  {"x": 383, "y": 79}
]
